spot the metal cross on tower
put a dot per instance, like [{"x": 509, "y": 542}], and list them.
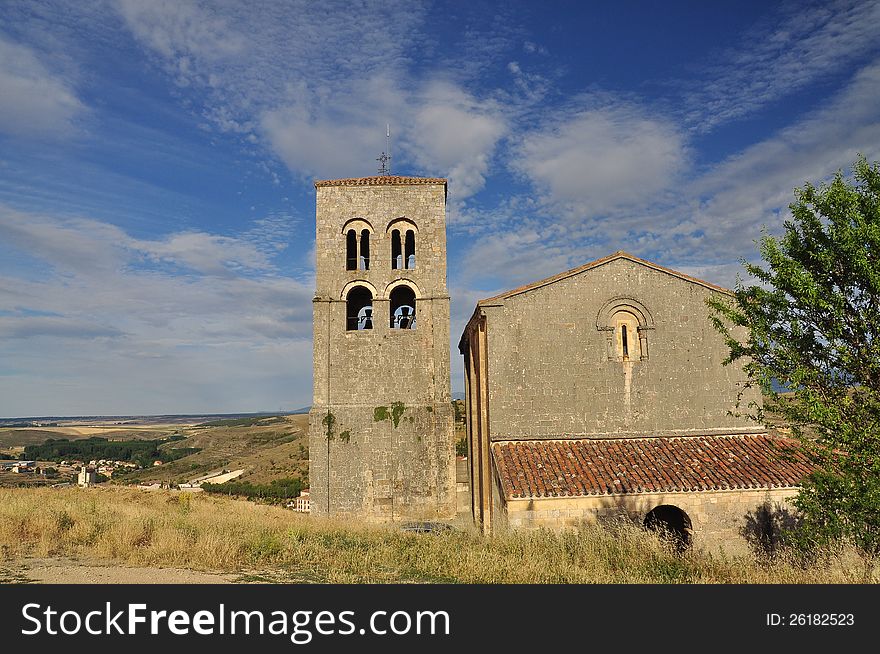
[{"x": 385, "y": 158}]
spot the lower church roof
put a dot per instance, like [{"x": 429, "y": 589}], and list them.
[{"x": 583, "y": 467}]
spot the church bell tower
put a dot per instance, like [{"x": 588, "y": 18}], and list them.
[{"x": 380, "y": 428}]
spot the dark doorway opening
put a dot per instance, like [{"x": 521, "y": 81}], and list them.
[{"x": 672, "y": 524}]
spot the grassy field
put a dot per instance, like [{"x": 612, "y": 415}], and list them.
[{"x": 201, "y": 532}]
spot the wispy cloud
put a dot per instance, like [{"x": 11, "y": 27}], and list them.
[
  {"x": 806, "y": 44},
  {"x": 34, "y": 102},
  {"x": 184, "y": 303},
  {"x": 701, "y": 222},
  {"x": 321, "y": 83}
]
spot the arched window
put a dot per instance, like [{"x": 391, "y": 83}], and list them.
[
  {"x": 396, "y": 256},
  {"x": 403, "y": 308},
  {"x": 626, "y": 323},
  {"x": 626, "y": 336},
  {"x": 359, "y": 309},
  {"x": 351, "y": 250},
  {"x": 365, "y": 250},
  {"x": 410, "y": 250}
]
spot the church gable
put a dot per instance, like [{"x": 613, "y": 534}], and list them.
[
  {"x": 619, "y": 347},
  {"x": 618, "y": 259}
]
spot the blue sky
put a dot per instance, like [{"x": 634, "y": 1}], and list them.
[{"x": 157, "y": 160}]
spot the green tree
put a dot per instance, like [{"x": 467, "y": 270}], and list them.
[{"x": 812, "y": 326}]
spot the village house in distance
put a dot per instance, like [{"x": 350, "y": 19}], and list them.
[
  {"x": 595, "y": 392},
  {"x": 601, "y": 391}
]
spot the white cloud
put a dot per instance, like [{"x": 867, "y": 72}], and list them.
[
  {"x": 734, "y": 199},
  {"x": 453, "y": 131},
  {"x": 187, "y": 322},
  {"x": 320, "y": 84},
  {"x": 26, "y": 326},
  {"x": 334, "y": 135},
  {"x": 704, "y": 227},
  {"x": 33, "y": 101},
  {"x": 181, "y": 31},
  {"x": 803, "y": 45},
  {"x": 600, "y": 160}
]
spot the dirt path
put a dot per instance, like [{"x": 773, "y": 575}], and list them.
[{"x": 72, "y": 571}]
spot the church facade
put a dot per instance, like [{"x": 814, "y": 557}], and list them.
[
  {"x": 602, "y": 391},
  {"x": 381, "y": 424}
]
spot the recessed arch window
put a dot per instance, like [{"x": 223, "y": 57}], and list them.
[
  {"x": 403, "y": 308},
  {"x": 365, "y": 250},
  {"x": 626, "y": 323},
  {"x": 351, "y": 261},
  {"x": 357, "y": 233},
  {"x": 396, "y": 254},
  {"x": 359, "y": 309},
  {"x": 410, "y": 250},
  {"x": 626, "y": 336},
  {"x": 403, "y": 233}
]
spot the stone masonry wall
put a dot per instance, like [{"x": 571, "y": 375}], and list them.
[
  {"x": 550, "y": 377},
  {"x": 721, "y": 520},
  {"x": 381, "y": 432}
]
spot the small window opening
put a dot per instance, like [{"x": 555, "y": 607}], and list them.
[
  {"x": 403, "y": 308},
  {"x": 351, "y": 250},
  {"x": 410, "y": 249},
  {"x": 627, "y": 345},
  {"x": 365, "y": 250},
  {"x": 396, "y": 256},
  {"x": 359, "y": 309}
]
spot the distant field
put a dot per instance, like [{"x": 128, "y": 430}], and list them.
[{"x": 20, "y": 436}]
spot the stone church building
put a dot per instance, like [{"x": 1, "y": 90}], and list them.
[
  {"x": 380, "y": 428},
  {"x": 597, "y": 391},
  {"x": 601, "y": 391}
]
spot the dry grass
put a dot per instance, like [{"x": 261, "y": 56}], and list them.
[{"x": 217, "y": 534}]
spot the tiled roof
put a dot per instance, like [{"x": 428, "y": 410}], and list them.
[
  {"x": 380, "y": 180},
  {"x": 564, "y": 468}
]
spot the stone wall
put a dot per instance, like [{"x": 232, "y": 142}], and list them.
[
  {"x": 722, "y": 520},
  {"x": 551, "y": 373},
  {"x": 381, "y": 439}
]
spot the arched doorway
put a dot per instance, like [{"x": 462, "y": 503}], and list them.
[{"x": 671, "y": 523}]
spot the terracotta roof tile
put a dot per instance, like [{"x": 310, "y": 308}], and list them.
[
  {"x": 647, "y": 465},
  {"x": 380, "y": 180}
]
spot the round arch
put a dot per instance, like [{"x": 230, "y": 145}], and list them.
[
  {"x": 401, "y": 224},
  {"x": 628, "y": 304},
  {"x": 672, "y": 524},
  {"x": 357, "y": 224},
  {"x": 638, "y": 321},
  {"x": 402, "y": 282},
  {"x": 358, "y": 282}
]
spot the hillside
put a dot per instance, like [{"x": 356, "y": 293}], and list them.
[{"x": 265, "y": 448}]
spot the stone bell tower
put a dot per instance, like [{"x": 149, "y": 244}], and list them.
[{"x": 380, "y": 429}]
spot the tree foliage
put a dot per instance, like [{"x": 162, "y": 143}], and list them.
[
  {"x": 812, "y": 326},
  {"x": 143, "y": 452},
  {"x": 276, "y": 490}
]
